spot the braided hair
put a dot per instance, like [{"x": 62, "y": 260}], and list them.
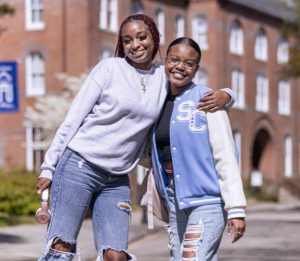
[{"x": 150, "y": 25}]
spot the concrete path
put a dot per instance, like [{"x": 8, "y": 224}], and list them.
[
  {"x": 269, "y": 236},
  {"x": 24, "y": 243}
]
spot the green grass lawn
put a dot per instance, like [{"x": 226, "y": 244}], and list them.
[{"x": 12, "y": 220}]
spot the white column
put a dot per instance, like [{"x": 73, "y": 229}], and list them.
[
  {"x": 288, "y": 157},
  {"x": 29, "y": 148}
]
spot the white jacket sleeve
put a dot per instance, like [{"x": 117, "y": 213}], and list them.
[
  {"x": 223, "y": 150},
  {"x": 232, "y": 100}
]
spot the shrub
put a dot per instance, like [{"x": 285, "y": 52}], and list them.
[
  {"x": 18, "y": 194},
  {"x": 267, "y": 192}
]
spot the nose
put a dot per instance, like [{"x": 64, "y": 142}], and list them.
[
  {"x": 180, "y": 66},
  {"x": 135, "y": 44}
]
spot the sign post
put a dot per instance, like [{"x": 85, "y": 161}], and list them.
[{"x": 9, "y": 98}]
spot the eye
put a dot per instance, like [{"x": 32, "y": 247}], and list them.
[
  {"x": 174, "y": 60},
  {"x": 126, "y": 41},
  {"x": 142, "y": 38},
  {"x": 191, "y": 65}
]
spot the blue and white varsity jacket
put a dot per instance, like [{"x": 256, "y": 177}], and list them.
[{"x": 204, "y": 155}]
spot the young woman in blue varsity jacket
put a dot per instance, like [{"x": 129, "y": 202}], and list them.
[{"x": 195, "y": 163}]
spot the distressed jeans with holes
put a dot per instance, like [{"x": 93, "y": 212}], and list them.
[
  {"x": 78, "y": 185},
  {"x": 207, "y": 221}
]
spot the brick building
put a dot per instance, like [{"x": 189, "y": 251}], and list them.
[{"x": 241, "y": 44}]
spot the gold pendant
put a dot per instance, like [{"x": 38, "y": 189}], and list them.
[{"x": 144, "y": 89}]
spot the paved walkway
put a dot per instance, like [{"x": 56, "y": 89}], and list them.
[
  {"x": 269, "y": 237},
  {"x": 24, "y": 243}
]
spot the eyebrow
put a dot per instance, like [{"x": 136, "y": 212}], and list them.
[
  {"x": 140, "y": 32},
  {"x": 184, "y": 60}
]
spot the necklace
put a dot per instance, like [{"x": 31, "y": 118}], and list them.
[{"x": 142, "y": 80}]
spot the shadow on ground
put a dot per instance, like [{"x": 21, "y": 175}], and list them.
[{"x": 10, "y": 239}]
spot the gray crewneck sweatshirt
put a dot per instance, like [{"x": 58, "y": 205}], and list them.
[{"x": 108, "y": 121}]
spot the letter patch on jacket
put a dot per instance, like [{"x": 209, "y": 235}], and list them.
[{"x": 188, "y": 113}]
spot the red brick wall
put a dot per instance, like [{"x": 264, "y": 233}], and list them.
[{"x": 84, "y": 42}]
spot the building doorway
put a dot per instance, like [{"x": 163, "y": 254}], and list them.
[{"x": 263, "y": 155}]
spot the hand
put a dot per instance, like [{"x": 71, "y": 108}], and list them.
[
  {"x": 214, "y": 101},
  {"x": 239, "y": 226},
  {"x": 43, "y": 184}
]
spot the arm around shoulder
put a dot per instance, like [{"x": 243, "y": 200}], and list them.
[{"x": 226, "y": 164}]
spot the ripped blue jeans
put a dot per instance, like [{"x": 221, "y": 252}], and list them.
[
  {"x": 76, "y": 186},
  {"x": 195, "y": 233}
]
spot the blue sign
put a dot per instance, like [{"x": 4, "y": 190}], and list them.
[{"x": 9, "y": 100}]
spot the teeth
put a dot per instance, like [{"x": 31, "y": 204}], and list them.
[
  {"x": 137, "y": 52},
  {"x": 178, "y": 74}
]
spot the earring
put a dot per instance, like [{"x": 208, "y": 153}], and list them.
[{"x": 125, "y": 54}]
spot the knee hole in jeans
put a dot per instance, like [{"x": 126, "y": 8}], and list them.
[
  {"x": 62, "y": 246},
  {"x": 192, "y": 236},
  {"x": 125, "y": 205},
  {"x": 113, "y": 255}
]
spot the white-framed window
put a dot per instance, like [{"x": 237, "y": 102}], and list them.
[
  {"x": 34, "y": 151},
  {"x": 288, "y": 157},
  {"x": 103, "y": 14},
  {"x": 238, "y": 142},
  {"x": 35, "y": 74},
  {"x": 160, "y": 18},
  {"x": 137, "y": 7},
  {"x": 238, "y": 87},
  {"x": 236, "y": 42},
  {"x": 179, "y": 27},
  {"x": 262, "y": 93},
  {"x": 200, "y": 30},
  {"x": 283, "y": 51},
  {"x": 106, "y": 53},
  {"x": 109, "y": 15},
  {"x": 284, "y": 106},
  {"x": 113, "y": 15},
  {"x": 34, "y": 15},
  {"x": 261, "y": 46},
  {"x": 201, "y": 77}
]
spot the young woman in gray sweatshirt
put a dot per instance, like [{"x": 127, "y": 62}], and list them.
[{"x": 101, "y": 140}]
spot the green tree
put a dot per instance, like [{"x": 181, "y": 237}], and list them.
[
  {"x": 5, "y": 9},
  {"x": 291, "y": 30}
]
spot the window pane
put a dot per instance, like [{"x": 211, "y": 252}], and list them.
[
  {"x": 103, "y": 14},
  {"x": 201, "y": 78},
  {"x": 113, "y": 21},
  {"x": 283, "y": 51},
  {"x": 161, "y": 26},
  {"x": 180, "y": 27},
  {"x": 137, "y": 7},
  {"x": 199, "y": 26},
  {"x": 35, "y": 71}
]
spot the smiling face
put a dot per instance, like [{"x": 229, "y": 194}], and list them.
[
  {"x": 181, "y": 66},
  {"x": 138, "y": 44}
]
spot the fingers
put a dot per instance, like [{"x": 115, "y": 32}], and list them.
[
  {"x": 209, "y": 93},
  {"x": 208, "y": 106},
  {"x": 230, "y": 225},
  {"x": 42, "y": 184},
  {"x": 239, "y": 226}
]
